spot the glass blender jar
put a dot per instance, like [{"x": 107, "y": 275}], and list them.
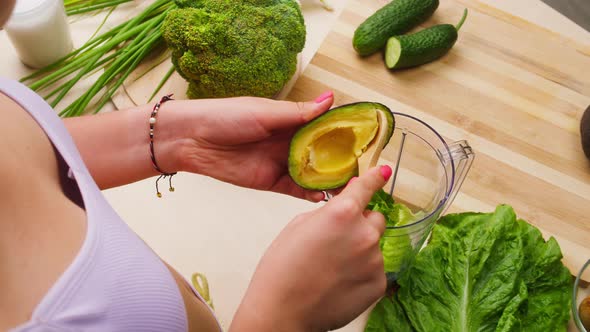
[{"x": 427, "y": 175}]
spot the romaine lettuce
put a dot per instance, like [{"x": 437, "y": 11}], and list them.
[
  {"x": 384, "y": 316},
  {"x": 396, "y": 251},
  {"x": 482, "y": 272},
  {"x": 383, "y": 202},
  {"x": 395, "y": 246}
]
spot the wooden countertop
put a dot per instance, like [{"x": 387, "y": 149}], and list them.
[{"x": 221, "y": 230}]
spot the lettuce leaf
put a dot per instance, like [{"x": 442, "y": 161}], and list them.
[
  {"x": 397, "y": 251},
  {"x": 396, "y": 214},
  {"x": 483, "y": 272},
  {"x": 384, "y": 203},
  {"x": 548, "y": 282},
  {"x": 396, "y": 247},
  {"x": 388, "y": 316}
]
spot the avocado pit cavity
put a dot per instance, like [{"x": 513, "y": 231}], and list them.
[
  {"x": 333, "y": 151},
  {"x": 324, "y": 153}
]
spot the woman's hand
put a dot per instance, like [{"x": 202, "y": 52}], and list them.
[
  {"x": 244, "y": 141},
  {"x": 324, "y": 269}
]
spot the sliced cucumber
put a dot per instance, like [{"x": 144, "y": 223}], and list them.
[
  {"x": 395, "y": 18},
  {"x": 424, "y": 46}
]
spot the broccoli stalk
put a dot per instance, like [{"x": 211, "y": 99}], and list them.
[{"x": 227, "y": 48}]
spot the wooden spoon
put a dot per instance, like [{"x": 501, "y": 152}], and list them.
[{"x": 371, "y": 156}]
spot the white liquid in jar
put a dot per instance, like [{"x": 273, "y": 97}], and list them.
[{"x": 39, "y": 31}]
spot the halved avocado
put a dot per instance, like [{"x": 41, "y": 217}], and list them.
[{"x": 323, "y": 153}]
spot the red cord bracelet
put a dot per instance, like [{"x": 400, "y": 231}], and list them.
[{"x": 152, "y": 122}]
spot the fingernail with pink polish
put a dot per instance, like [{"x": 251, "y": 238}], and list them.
[
  {"x": 386, "y": 172},
  {"x": 324, "y": 96}
]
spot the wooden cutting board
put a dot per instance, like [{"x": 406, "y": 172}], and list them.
[{"x": 513, "y": 90}]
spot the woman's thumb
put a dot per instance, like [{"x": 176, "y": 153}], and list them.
[
  {"x": 320, "y": 105},
  {"x": 288, "y": 114}
]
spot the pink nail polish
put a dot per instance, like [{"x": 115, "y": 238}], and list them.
[
  {"x": 352, "y": 179},
  {"x": 386, "y": 172},
  {"x": 324, "y": 96}
]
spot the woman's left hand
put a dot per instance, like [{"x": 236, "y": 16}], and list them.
[{"x": 244, "y": 140}]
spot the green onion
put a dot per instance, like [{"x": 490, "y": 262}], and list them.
[
  {"x": 117, "y": 53},
  {"x": 74, "y": 7},
  {"x": 162, "y": 82}
]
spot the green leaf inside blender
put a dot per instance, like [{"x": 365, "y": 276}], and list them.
[{"x": 395, "y": 246}]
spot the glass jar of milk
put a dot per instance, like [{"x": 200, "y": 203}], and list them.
[{"x": 39, "y": 31}]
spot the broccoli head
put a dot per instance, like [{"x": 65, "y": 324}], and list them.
[{"x": 227, "y": 48}]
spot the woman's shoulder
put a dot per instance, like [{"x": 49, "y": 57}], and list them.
[
  {"x": 29, "y": 149},
  {"x": 28, "y": 163}
]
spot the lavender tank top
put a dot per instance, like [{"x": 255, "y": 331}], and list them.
[{"x": 116, "y": 282}]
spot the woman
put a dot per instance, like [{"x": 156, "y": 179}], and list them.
[{"x": 69, "y": 263}]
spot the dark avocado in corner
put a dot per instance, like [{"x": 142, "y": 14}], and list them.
[
  {"x": 323, "y": 154},
  {"x": 585, "y": 132}
]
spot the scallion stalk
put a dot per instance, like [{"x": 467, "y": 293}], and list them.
[
  {"x": 75, "y": 7},
  {"x": 117, "y": 53}
]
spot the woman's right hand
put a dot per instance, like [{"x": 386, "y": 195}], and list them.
[{"x": 324, "y": 269}]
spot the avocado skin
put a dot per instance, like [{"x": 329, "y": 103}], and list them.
[
  {"x": 293, "y": 160},
  {"x": 395, "y": 18},
  {"x": 424, "y": 46},
  {"x": 585, "y": 132}
]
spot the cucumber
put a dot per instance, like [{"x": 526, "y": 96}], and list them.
[
  {"x": 395, "y": 18},
  {"x": 421, "y": 47}
]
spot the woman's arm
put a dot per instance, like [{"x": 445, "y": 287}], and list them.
[
  {"x": 115, "y": 145},
  {"x": 243, "y": 141}
]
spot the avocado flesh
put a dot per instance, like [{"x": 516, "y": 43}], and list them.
[
  {"x": 333, "y": 151},
  {"x": 332, "y": 148},
  {"x": 324, "y": 153}
]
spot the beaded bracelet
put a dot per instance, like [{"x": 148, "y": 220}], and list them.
[{"x": 152, "y": 155}]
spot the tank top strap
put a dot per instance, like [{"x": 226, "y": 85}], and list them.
[{"x": 50, "y": 122}]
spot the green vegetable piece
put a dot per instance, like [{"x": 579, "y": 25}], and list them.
[
  {"x": 396, "y": 245},
  {"x": 396, "y": 214},
  {"x": 548, "y": 282},
  {"x": 424, "y": 46},
  {"x": 388, "y": 316},
  {"x": 395, "y": 18},
  {"x": 323, "y": 154},
  {"x": 397, "y": 252},
  {"x": 235, "y": 48},
  {"x": 402, "y": 215},
  {"x": 486, "y": 272},
  {"x": 384, "y": 203}
]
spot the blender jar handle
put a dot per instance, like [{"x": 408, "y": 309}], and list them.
[{"x": 462, "y": 156}]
